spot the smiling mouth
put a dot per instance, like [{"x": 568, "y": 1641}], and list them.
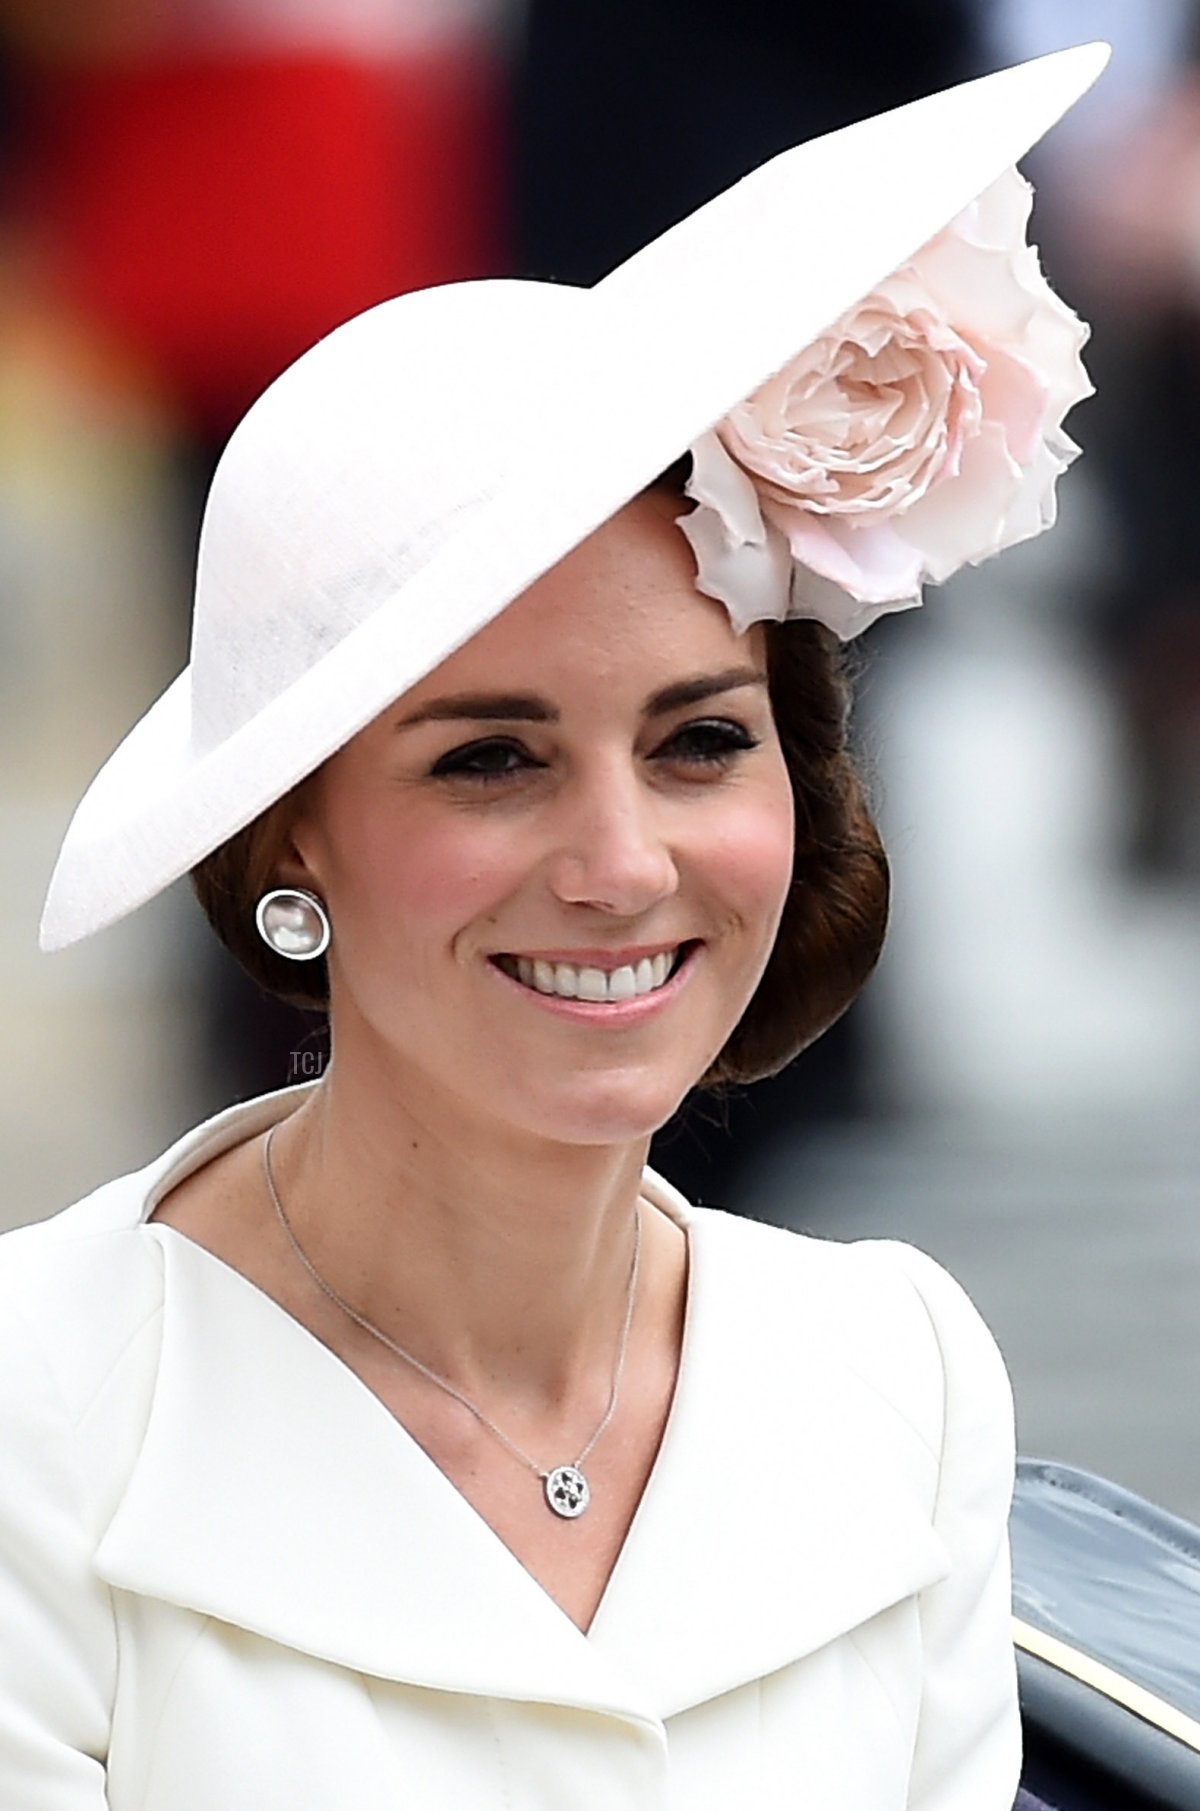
[{"x": 572, "y": 981}]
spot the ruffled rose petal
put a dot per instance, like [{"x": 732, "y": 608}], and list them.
[
  {"x": 719, "y": 482},
  {"x": 871, "y": 561},
  {"x": 1013, "y": 393},
  {"x": 959, "y": 525},
  {"x": 820, "y": 601},
  {"x": 752, "y": 582},
  {"x": 740, "y": 559}
]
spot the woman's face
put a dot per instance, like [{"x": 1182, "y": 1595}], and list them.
[{"x": 555, "y": 868}]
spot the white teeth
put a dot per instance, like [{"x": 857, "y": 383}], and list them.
[
  {"x": 543, "y": 977},
  {"x": 595, "y": 984},
  {"x": 622, "y": 984}
]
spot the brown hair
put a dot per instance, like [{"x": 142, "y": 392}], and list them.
[{"x": 834, "y": 920}]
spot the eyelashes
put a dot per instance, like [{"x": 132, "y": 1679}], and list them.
[
  {"x": 491, "y": 758},
  {"x": 707, "y": 745},
  {"x": 711, "y": 742}
]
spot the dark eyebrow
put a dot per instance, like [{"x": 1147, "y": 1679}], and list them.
[
  {"x": 495, "y": 707},
  {"x": 707, "y": 685},
  {"x": 526, "y": 707}
]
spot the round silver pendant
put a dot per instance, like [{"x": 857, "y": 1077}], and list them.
[{"x": 567, "y": 1491}]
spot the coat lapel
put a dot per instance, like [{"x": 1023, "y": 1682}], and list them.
[
  {"x": 275, "y": 1492},
  {"x": 790, "y": 1502}
]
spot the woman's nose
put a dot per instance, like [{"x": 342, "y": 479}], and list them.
[{"x": 614, "y": 852}]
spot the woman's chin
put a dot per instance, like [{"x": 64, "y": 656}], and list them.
[{"x": 605, "y": 1111}]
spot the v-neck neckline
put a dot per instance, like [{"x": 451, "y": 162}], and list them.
[{"x": 658, "y": 1193}]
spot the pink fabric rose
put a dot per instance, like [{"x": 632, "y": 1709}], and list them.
[{"x": 921, "y": 433}]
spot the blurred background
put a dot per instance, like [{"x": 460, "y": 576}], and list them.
[{"x": 191, "y": 191}]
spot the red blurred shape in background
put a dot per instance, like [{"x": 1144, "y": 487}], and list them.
[{"x": 220, "y": 213}]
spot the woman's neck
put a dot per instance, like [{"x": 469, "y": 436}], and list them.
[{"x": 500, "y": 1260}]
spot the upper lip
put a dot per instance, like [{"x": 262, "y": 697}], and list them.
[{"x": 624, "y": 957}]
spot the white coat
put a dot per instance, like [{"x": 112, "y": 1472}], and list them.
[{"x": 231, "y": 1581}]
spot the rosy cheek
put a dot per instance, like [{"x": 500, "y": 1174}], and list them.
[
  {"x": 752, "y": 858},
  {"x": 444, "y": 872}
]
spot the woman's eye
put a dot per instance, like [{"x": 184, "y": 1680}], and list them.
[
  {"x": 493, "y": 758},
  {"x": 710, "y": 742}
]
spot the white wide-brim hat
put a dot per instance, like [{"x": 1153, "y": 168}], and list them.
[{"x": 422, "y": 465}]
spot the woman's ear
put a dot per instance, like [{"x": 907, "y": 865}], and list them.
[
  {"x": 296, "y": 864},
  {"x": 292, "y": 851}
]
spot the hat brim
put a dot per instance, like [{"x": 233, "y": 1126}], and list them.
[{"x": 667, "y": 344}]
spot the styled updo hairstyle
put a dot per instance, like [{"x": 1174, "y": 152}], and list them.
[{"x": 833, "y": 923}]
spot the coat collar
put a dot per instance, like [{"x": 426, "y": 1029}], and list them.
[{"x": 789, "y": 1501}]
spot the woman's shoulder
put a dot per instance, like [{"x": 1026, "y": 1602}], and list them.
[
  {"x": 861, "y": 1267},
  {"x": 76, "y": 1290},
  {"x": 881, "y": 1308},
  {"x": 83, "y": 1282},
  {"x": 871, "y": 1272}
]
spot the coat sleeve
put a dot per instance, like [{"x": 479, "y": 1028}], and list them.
[
  {"x": 57, "y": 1639},
  {"x": 968, "y": 1748}
]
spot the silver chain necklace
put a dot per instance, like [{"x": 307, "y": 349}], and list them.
[{"x": 566, "y": 1488}]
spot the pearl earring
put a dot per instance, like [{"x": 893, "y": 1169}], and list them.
[{"x": 293, "y": 923}]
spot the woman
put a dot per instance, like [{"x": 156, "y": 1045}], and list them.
[{"x": 396, "y": 1439}]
